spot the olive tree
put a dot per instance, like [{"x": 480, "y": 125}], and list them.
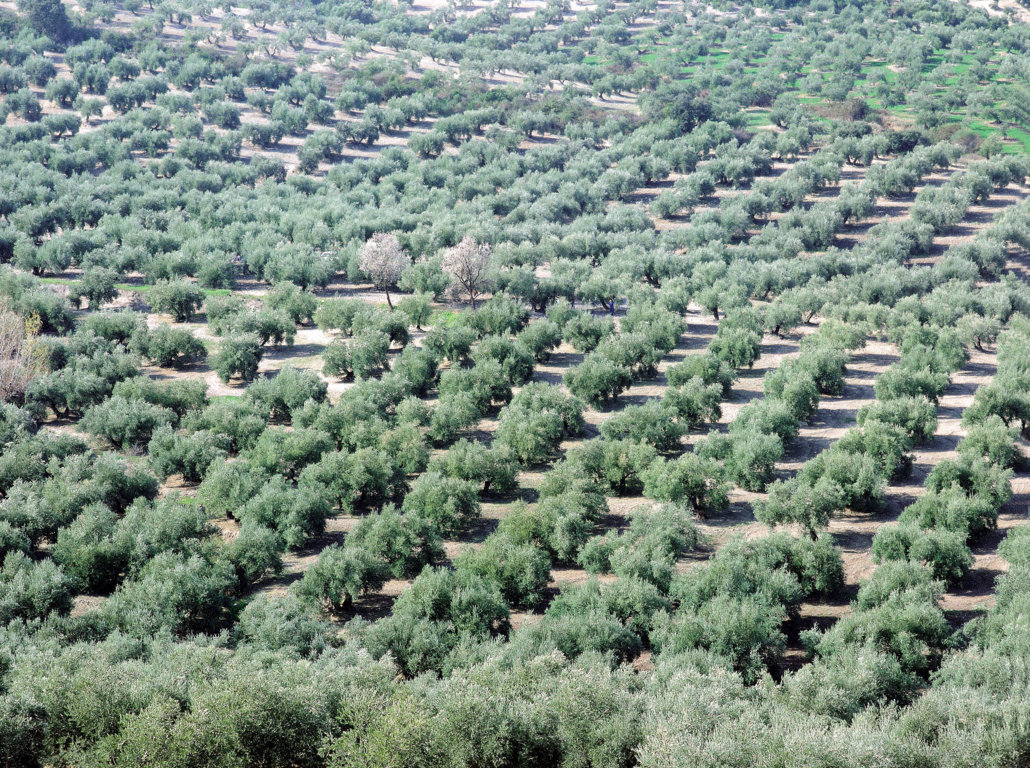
[
  {"x": 238, "y": 356},
  {"x": 810, "y": 506},
  {"x": 406, "y": 543},
  {"x": 520, "y": 570},
  {"x": 692, "y": 479},
  {"x": 170, "y": 347},
  {"x": 598, "y": 379},
  {"x": 341, "y": 575},
  {"x": 179, "y": 298}
]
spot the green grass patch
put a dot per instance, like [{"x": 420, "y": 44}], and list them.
[
  {"x": 981, "y": 129},
  {"x": 1021, "y": 138},
  {"x": 758, "y": 119},
  {"x": 444, "y": 318},
  {"x": 138, "y": 288}
]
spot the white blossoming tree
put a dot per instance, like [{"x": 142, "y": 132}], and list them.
[
  {"x": 383, "y": 260},
  {"x": 469, "y": 264}
]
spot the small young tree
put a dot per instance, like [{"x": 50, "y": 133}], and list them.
[
  {"x": 468, "y": 263},
  {"x": 383, "y": 260}
]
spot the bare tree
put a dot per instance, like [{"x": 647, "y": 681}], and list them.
[
  {"x": 21, "y": 356},
  {"x": 383, "y": 260},
  {"x": 469, "y": 264}
]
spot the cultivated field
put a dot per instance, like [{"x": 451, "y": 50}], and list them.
[{"x": 489, "y": 384}]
